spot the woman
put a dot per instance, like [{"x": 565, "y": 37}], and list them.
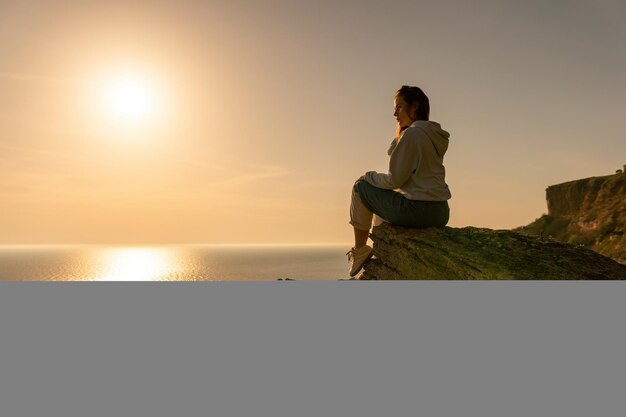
[{"x": 414, "y": 192}]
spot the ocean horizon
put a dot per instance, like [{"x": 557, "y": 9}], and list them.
[{"x": 178, "y": 262}]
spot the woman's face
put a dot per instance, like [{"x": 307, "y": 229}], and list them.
[{"x": 403, "y": 114}]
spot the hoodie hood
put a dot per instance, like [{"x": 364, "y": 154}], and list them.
[{"x": 438, "y": 136}]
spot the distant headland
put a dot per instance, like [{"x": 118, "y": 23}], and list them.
[{"x": 590, "y": 212}]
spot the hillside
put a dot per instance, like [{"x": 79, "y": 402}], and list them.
[{"x": 590, "y": 212}]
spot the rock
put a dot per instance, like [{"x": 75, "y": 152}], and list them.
[{"x": 473, "y": 253}]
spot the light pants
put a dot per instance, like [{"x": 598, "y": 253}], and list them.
[{"x": 392, "y": 207}]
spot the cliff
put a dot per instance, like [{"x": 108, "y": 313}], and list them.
[
  {"x": 472, "y": 253},
  {"x": 590, "y": 212}
]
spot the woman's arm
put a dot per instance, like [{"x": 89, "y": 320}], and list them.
[{"x": 402, "y": 164}]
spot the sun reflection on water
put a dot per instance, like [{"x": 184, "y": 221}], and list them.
[{"x": 136, "y": 264}]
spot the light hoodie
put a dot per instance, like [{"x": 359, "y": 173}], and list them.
[{"x": 416, "y": 165}]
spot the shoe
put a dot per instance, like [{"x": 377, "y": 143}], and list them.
[{"x": 359, "y": 257}]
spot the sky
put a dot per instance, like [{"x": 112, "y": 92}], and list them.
[{"x": 163, "y": 122}]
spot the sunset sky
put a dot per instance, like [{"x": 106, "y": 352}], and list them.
[{"x": 158, "y": 122}]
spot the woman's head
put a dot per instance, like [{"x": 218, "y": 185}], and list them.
[{"x": 410, "y": 104}]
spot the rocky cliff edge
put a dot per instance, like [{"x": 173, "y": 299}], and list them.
[{"x": 475, "y": 254}]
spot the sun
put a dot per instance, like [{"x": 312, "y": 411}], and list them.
[
  {"x": 130, "y": 98},
  {"x": 129, "y": 105}
]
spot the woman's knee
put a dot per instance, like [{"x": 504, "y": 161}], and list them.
[{"x": 359, "y": 185}]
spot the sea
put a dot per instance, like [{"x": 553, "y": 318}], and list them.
[{"x": 173, "y": 263}]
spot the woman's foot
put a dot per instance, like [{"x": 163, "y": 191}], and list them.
[{"x": 358, "y": 257}]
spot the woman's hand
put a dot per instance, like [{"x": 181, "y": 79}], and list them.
[{"x": 399, "y": 130}]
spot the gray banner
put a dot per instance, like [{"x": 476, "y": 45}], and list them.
[{"x": 312, "y": 349}]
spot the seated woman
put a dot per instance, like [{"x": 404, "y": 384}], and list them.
[{"x": 414, "y": 192}]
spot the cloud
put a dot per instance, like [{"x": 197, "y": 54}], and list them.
[
  {"x": 21, "y": 76},
  {"x": 42, "y": 171},
  {"x": 256, "y": 173}
]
